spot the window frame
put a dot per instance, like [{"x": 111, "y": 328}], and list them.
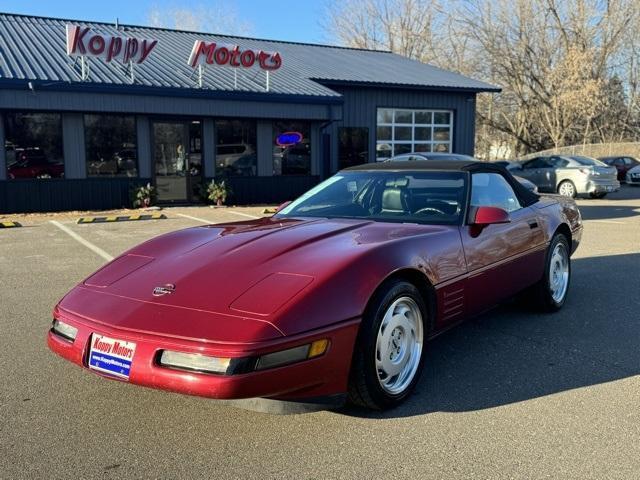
[
  {"x": 14, "y": 111},
  {"x": 86, "y": 146},
  {"x": 471, "y": 208},
  {"x": 222, "y": 171},
  {"x": 432, "y": 142}
]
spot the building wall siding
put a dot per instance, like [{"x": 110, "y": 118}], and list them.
[
  {"x": 166, "y": 105},
  {"x": 145, "y": 156},
  {"x": 361, "y": 104},
  {"x": 3, "y": 154},
  {"x": 52, "y": 195},
  {"x": 73, "y": 146}
]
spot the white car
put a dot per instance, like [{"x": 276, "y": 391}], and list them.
[{"x": 633, "y": 176}]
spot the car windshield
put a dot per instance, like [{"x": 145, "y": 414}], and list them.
[
  {"x": 428, "y": 197},
  {"x": 589, "y": 162}
]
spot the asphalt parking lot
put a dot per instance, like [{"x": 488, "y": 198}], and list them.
[{"x": 511, "y": 394}]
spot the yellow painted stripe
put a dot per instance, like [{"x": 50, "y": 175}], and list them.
[
  {"x": 111, "y": 219},
  {"x": 134, "y": 217}
]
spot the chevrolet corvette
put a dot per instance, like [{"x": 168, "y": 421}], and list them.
[{"x": 334, "y": 297}]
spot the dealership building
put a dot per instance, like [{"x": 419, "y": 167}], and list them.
[{"x": 91, "y": 110}]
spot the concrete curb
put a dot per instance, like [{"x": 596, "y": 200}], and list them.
[{"x": 122, "y": 218}]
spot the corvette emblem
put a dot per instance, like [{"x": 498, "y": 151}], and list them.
[{"x": 166, "y": 289}]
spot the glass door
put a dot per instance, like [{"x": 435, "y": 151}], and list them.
[{"x": 178, "y": 160}]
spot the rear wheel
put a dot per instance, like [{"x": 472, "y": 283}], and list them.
[
  {"x": 387, "y": 360},
  {"x": 550, "y": 293},
  {"x": 567, "y": 188}
]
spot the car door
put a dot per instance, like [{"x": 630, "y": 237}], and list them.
[
  {"x": 533, "y": 171},
  {"x": 501, "y": 259}
]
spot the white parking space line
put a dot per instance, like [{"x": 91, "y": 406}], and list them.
[
  {"x": 81, "y": 240},
  {"x": 607, "y": 221},
  {"x": 208, "y": 222},
  {"x": 242, "y": 214}
]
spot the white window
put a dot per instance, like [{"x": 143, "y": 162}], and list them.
[{"x": 401, "y": 131}]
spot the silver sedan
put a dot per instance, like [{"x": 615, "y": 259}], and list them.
[
  {"x": 633, "y": 176},
  {"x": 569, "y": 175}
]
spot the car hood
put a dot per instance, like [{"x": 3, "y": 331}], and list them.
[{"x": 226, "y": 282}]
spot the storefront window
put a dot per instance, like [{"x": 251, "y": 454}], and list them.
[
  {"x": 403, "y": 131},
  {"x": 291, "y": 148},
  {"x": 353, "y": 148},
  {"x": 236, "y": 148},
  {"x": 111, "y": 145},
  {"x": 33, "y": 145}
]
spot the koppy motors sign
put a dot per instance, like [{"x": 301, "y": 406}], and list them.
[
  {"x": 210, "y": 53},
  {"x": 84, "y": 42}
]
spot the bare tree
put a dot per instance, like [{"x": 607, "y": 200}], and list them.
[
  {"x": 554, "y": 59},
  {"x": 216, "y": 17}
]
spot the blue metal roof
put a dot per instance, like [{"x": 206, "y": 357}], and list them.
[{"x": 307, "y": 69}]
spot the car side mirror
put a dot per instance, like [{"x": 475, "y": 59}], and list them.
[
  {"x": 485, "y": 216},
  {"x": 282, "y": 206}
]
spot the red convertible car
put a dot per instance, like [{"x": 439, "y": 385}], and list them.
[{"x": 334, "y": 296}]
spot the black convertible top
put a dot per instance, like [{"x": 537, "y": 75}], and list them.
[
  {"x": 448, "y": 165},
  {"x": 526, "y": 196}
]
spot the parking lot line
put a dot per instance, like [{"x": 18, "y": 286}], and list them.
[
  {"x": 606, "y": 221},
  {"x": 242, "y": 214},
  {"x": 81, "y": 240},
  {"x": 209, "y": 222}
]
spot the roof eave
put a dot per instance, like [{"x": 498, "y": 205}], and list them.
[
  {"x": 439, "y": 88},
  {"x": 90, "y": 87}
]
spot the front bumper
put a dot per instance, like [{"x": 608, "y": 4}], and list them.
[
  {"x": 633, "y": 178},
  {"x": 321, "y": 376}
]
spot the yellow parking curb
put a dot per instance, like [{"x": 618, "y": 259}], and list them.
[
  {"x": 9, "y": 225},
  {"x": 122, "y": 218}
]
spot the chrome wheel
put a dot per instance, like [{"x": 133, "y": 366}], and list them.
[
  {"x": 399, "y": 345},
  {"x": 567, "y": 189},
  {"x": 559, "y": 273}
]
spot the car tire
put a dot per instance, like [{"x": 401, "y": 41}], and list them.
[
  {"x": 598, "y": 195},
  {"x": 550, "y": 293},
  {"x": 567, "y": 189},
  {"x": 393, "y": 332}
]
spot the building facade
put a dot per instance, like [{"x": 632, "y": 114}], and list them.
[{"x": 91, "y": 110}]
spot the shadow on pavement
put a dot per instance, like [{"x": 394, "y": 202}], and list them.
[{"x": 511, "y": 355}]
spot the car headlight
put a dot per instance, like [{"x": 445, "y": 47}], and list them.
[
  {"x": 64, "y": 330},
  {"x": 195, "y": 362}
]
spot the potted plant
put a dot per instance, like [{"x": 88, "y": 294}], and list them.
[
  {"x": 217, "y": 192},
  {"x": 143, "y": 196}
]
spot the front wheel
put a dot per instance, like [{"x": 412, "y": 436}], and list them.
[
  {"x": 550, "y": 293},
  {"x": 387, "y": 360}
]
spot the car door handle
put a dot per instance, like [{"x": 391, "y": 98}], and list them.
[{"x": 532, "y": 224}]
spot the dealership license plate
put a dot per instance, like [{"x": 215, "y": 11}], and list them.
[{"x": 110, "y": 355}]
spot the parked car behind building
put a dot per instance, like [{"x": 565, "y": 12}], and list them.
[
  {"x": 569, "y": 175},
  {"x": 633, "y": 176},
  {"x": 460, "y": 157},
  {"x": 622, "y": 163}
]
